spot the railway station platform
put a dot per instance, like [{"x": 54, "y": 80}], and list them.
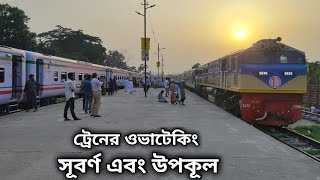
[{"x": 31, "y": 142}]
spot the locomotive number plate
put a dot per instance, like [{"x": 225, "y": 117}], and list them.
[{"x": 275, "y": 82}]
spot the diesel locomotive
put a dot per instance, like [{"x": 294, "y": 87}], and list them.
[{"x": 264, "y": 84}]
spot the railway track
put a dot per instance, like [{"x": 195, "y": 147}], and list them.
[
  {"x": 304, "y": 144},
  {"x": 300, "y": 142}
]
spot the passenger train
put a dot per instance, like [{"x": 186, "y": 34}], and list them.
[
  {"x": 263, "y": 84},
  {"x": 50, "y": 71}
]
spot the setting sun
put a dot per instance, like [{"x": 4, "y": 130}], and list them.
[{"x": 241, "y": 34}]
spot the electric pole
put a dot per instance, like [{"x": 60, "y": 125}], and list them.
[
  {"x": 158, "y": 60},
  {"x": 145, "y": 46},
  {"x": 162, "y": 69},
  {"x": 145, "y": 41}
]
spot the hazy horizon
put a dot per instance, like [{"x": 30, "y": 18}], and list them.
[{"x": 191, "y": 31}]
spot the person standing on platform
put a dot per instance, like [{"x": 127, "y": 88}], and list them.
[
  {"x": 88, "y": 95},
  {"x": 110, "y": 87},
  {"x": 166, "y": 86},
  {"x": 182, "y": 93},
  {"x": 30, "y": 90},
  {"x": 115, "y": 83},
  {"x": 69, "y": 91},
  {"x": 172, "y": 89},
  {"x": 177, "y": 90},
  {"x": 104, "y": 85},
  {"x": 81, "y": 91},
  {"x": 126, "y": 85},
  {"x": 96, "y": 91},
  {"x": 130, "y": 86}
]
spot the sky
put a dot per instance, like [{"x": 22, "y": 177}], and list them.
[{"x": 191, "y": 31}]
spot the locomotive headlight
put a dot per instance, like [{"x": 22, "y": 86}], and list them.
[
  {"x": 288, "y": 73},
  {"x": 263, "y": 73}
]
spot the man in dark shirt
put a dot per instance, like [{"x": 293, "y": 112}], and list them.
[
  {"x": 182, "y": 93},
  {"x": 88, "y": 95},
  {"x": 31, "y": 93}
]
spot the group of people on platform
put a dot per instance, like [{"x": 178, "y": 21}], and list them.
[
  {"x": 91, "y": 89},
  {"x": 175, "y": 91}
]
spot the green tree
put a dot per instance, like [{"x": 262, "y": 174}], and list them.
[
  {"x": 141, "y": 67},
  {"x": 14, "y": 31},
  {"x": 115, "y": 59},
  {"x": 132, "y": 68},
  {"x": 196, "y": 66},
  {"x": 313, "y": 72},
  {"x": 68, "y": 43}
]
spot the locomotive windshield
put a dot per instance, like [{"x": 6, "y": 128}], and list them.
[{"x": 273, "y": 57}]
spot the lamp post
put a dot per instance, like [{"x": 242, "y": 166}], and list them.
[
  {"x": 162, "y": 69},
  {"x": 145, "y": 40},
  {"x": 159, "y": 57},
  {"x": 158, "y": 64}
]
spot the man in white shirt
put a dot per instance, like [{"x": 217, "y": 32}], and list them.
[
  {"x": 130, "y": 86},
  {"x": 69, "y": 91},
  {"x": 96, "y": 90},
  {"x": 126, "y": 85},
  {"x": 166, "y": 86}
]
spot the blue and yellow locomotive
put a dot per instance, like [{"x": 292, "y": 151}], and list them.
[{"x": 264, "y": 83}]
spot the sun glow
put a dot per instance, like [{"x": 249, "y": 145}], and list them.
[{"x": 241, "y": 34}]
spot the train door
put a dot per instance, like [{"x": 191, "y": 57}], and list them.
[
  {"x": 16, "y": 77},
  {"x": 39, "y": 75}
]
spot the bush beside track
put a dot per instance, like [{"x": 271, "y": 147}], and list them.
[{"x": 310, "y": 131}]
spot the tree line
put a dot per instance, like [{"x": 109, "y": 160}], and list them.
[{"x": 61, "y": 41}]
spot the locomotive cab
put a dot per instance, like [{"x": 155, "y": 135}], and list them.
[{"x": 272, "y": 82}]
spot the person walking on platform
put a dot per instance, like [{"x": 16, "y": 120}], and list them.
[
  {"x": 96, "y": 90},
  {"x": 147, "y": 84},
  {"x": 166, "y": 86},
  {"x": 69, "y": 91},
  {"x": 30, "y": 90},
  {"x": 172, "y": 89},
  {"x": 88, "y": 96},
  {"x": 182, "y": 93}
]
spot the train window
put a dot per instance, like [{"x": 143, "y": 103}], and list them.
[
  {"x": 1, "y": 75},
  {"x": 63, "y": 76},
  {"x": 234, "y": 64},
  {"x": 80, "y": 76},
  {"x": 224, "y": 65},
  {"x": 73, "y": 74},
  {"x": 257, "y": 57},
  {"x": 275, "y": 57},
  {"x": 55, "y": 75}
]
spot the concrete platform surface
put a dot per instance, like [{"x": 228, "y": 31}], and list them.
[{"x": 31, "y": 142}]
